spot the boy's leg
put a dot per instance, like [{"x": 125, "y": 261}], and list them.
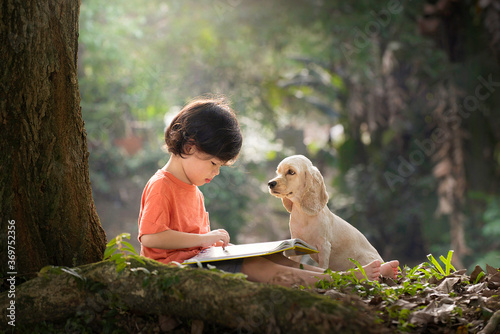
[
  {"x": 387, "y": 269},
  {"x": 259, "y": 269},
  {"x": 279, "y": 258}
]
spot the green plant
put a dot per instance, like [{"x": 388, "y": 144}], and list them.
[
  {"x": 120, "y": 251},
  {"x": 348, "y": 281},
  {"x": 438, "y": 271},
  {"x": 418, "y": 272},
  {"x": 479, "y": 276},
  {"x": 360, "y": 268},
  {"x": 400, "y": 316}
]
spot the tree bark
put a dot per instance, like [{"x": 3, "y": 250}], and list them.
[
  {"x": 187, "y": 293},
  {"x": 44, "y": 178}
]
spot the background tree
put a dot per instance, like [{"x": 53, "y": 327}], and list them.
[{"x": 44, "y": 176}]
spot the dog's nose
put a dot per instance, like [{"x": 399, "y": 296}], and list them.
[{"x": 272, "y": 184}]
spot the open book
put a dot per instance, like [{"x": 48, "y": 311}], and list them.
[{"x": 291, "y": 247}]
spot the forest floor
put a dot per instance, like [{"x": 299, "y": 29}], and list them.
[
  {"x": 424, "y": 299},
  {"x": 428, "y": 298}
]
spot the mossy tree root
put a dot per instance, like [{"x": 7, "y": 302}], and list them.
[{"x": 212, "y": 297}]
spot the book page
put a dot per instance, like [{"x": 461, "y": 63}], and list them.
[
  {"x": 253, "y": 249},
  {"x": 236, "y": 251}
]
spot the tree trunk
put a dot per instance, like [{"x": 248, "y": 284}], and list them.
[
  {"x": 46, "y": 207},
  {"x": 450, "y": 170},
  {"x": 187, "y": 293}
]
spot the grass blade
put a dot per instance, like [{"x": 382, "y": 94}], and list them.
[
  {"x": 447, "y": 262},
  {"x": 436, "y": 264}
]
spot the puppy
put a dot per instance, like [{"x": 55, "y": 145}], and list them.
[{"x": 301, "y": 187}]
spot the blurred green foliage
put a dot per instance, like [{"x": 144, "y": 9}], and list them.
[{"x": 290, "y": 66}]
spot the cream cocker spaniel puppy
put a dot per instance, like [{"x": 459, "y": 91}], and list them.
[{"x": 301, "y": 187}]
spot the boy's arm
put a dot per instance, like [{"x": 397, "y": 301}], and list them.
[{"x": 172, "y": 239}]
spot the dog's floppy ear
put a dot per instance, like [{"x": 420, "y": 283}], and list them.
[
  {"x": 287, "y": 204},
  {"x": 315, "y": 196}
]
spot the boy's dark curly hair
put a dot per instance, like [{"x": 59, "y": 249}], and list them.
[{"x": 209, "y": 124}]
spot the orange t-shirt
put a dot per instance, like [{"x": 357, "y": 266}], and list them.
[{"x": 168, "y": 203}]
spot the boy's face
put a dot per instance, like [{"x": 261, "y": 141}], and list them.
[{"x": 201, "y": 168}]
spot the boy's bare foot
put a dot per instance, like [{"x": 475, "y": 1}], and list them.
[
  {"x": 390, "y": 269},
  {"x": 372, "y": 271}
]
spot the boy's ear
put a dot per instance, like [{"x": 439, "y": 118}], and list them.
[{"x": 189, "y": 147}]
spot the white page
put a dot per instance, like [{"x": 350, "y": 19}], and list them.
[{"x": 236, "y": 251}]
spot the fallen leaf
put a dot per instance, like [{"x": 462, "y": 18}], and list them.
[
  {"x": 491, "y": 270},
  {"x": 494, "y": 281},
  {"x": 434, "y": 311},
  {"x": 405, "y": 304},
  {"x": 476, "y": 288},
  {"x": 475, "y": 273},
  {"x": 447, "y": 285}
]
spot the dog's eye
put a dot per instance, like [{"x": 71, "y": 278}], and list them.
[{"x": 291, "y": 172}]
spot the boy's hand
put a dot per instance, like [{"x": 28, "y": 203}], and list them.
[{"x": 220, "y": 236}]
